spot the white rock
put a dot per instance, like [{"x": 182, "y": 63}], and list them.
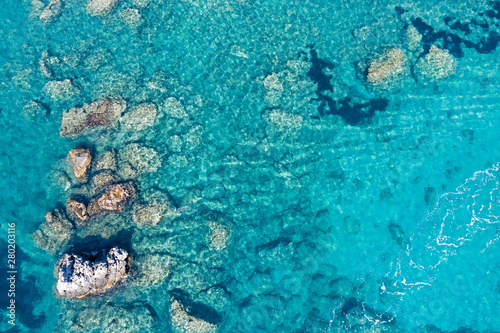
[
  {"x": 436, "y": 65},
  {"x": 140, "y": 117},
  {"x": 79, "y": 277},
  {"x": 60, "y": 89},
  {"x": 100, "y": 7},
  {"x": 52, "y": 11},
  {"x": 174, "y": 108}
]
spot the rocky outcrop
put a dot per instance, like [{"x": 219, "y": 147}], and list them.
[
  {"x": 387, "y": 67},
  {"x": 54, "y": 233},
  {"x": 436, "y": 65},
  {"x": 142, "y": 159},
  {"x": 80, "y": 159},
  {"x": 100, "y": 7},
  {"x": 114, "y": 199},
  {"x": 52, "y": 11},
  {"x": 92, "y": 115},
  {"x": 76, "y": 211},
  {"x": 79, "y": 276}
]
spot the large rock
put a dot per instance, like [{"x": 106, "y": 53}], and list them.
[
  {"x": 436, "y": 65},
  {"x": 52, "y": 11},
  {"x": 82, "y": 275},
  {"x": 107, "y": 162},
  {"x": 54, "y": 233},
  {"x": 100, "y": 7},
  {"x": 80, "y": 159},
  {"x": 142, "y": 159},
  {"x": 387, "y": 67},
  {"x": 92, "y": 115},
  {"x": 114, "y": 199}
]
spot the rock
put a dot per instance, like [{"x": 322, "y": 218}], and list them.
[
  {"x": 102, "y": 179},
  {"x": 139, "y": 118},
  {"x": 413, "y": 38},
  {"x": 82, "y": 275},
  {"x": 52, "y": 11},
  {"x": 133, "y": 317},
  {"x": 142, "y": 159},
  {"x": 218, "y": 238},
  {"x": 76, "y": 211},
  {"x": 33, "y": 110},
  {"x": 114, "y": 199},
  {"x": 44, "y": 64},
  {"x": 100, "y": 7},
  {"x": 131, "y": 17},
  {"x": 57, "y": 90},
  {"x": 386, "y": 68},
  {"x": 272, "y": 82},
  {"x": 54, "y": 233},
  {"x": 152, "y": 270},
  {"x": 436, "y": 65},
  {"x": 104, "y": 225},
  {"x": 93, "y": 115},
  {"x": 80, "y": 159},
  {"x": 107, "y": 162},
  {"x": 174, "y": 108},
  {"x": 280, "y": 123},
  {"x": 184, "y": 321},
  {"x": 158, "y": 208}
]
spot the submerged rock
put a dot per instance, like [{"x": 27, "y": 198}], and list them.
[
  {"x": 57, "y": 90},
  {"x": 388, "y": 67},
  {"x": 80, "y": 159},
  {"x": 133, "y": 317},
  {"x": 218, "y": 238},
  {"x": 436, "y": 65},
  {"x": 139, "y": 118},
  {"x": 158, "y": 208},
  {"x": 185, "y": 322},
  {"x": 131, "y": 17},
  {"x": 52, "y": 11},
  {"x": 142, "y": 159},
  {"x": 152, "y": 269},
  {"x": 54, "y": 233},
  {"x": 92, "y": 115},
  {"x": 82, "y": 275},
  {"x": 76, "y": 211},
  {"x": 174, "y": 108},
  {"x": 100, "y": 7},
  {"x": 114, "y": 199},
  {"x": 107, "y": 162},
  {"x": 102, "y": 179},
  {"x": 33, "y": 110}
]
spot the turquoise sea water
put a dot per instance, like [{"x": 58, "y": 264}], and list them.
[{"x": 347, "y": 207}]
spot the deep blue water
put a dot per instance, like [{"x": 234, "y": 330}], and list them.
[{"x": 346, "y": 207}]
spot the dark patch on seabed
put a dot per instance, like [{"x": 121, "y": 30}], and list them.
[
  {"x": 27, "y": 292},
  {"x": 451, "y": 40},
  {"x": 354, "y": 114}
]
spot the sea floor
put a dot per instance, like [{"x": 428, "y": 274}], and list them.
[{"x": 328, "y": 166}]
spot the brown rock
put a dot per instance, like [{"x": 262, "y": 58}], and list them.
[
  {"x": 80, "y": 158},
  {"x": 92, "y": 115},
  {"x": 76, "y": 211},
  {"x": 114, "y": 199}
]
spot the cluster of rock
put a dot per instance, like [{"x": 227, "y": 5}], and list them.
[
  {"x": 80, "y": 275},
  {"x": 393, "y": 64}
]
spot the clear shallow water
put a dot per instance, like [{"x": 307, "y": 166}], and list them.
[{"x": 379, "y": 217}]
